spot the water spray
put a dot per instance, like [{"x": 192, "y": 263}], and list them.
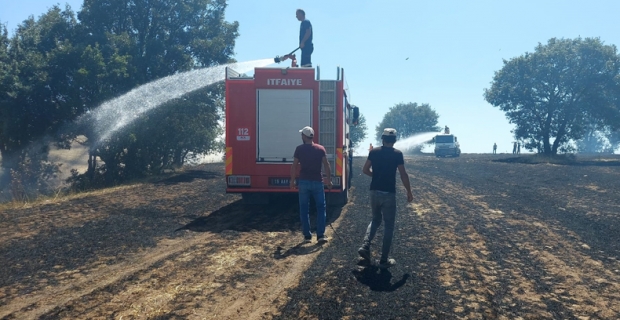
[
  {"x": 115, "y": 114},
  {"x": 415, "y": 140}
]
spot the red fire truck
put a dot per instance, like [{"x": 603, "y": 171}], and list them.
[{"x": 264, "y": 114}]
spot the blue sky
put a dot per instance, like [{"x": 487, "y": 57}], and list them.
[{"x": 453, "y": 48}]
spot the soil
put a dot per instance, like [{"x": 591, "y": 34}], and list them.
[{"x": 486, "y": 237}]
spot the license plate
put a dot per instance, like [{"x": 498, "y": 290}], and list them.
[{"x": 279, "y": 182}]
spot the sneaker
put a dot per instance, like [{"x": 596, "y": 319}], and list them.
[
  {"x": 364, "y": 253},
  {"x": 307, "y": 239},
  {"x": 322, "y": 239},
  {"x": 387, "y": 264}
]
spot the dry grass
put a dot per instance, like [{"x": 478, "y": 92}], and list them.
[
  {"x": 64, "y": 196},
  {"x": 172, "y": 245}
]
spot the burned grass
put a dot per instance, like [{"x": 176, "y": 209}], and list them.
[{"x": 482, "y": 239}]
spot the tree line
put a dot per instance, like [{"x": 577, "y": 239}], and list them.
[
  {"x": 62, "y": 65},
  {"x": 563, "y": 97}
]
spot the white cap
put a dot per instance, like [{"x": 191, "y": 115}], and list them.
[
  {"x": 308, "y": 132},
  {"x": 389, "y": 132}
]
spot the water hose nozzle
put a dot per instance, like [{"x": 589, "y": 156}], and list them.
[{"x": 278, "y": 59}]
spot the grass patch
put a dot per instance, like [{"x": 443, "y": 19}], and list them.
[
  {"x": 566, "y": 159},
  {"x": 62, "y": 197},
  {"x": 65, "y": 194}
]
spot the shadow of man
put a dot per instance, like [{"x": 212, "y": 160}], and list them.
[
  {"x": 298, "y": 250},
  {"x": 377, "y": 279}
]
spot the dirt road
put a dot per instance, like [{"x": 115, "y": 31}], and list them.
[{"x": 482, "y": 239}]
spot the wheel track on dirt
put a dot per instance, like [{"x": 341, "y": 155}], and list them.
[
  {"x": 334, "y": 288},
  {"x": 496, "y": 262},
  {"x": 43, "y": 300},
  {"x": 484, "y": 226},
  {"x": 468, "y": 276},
  {"x": 35, "y": 305},
  {"x": 113, "y": 278},
  {"x": 278, "y": 284},
  {"x": 105, "y": 290}
]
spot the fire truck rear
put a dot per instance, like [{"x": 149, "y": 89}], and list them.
[{"x": 264, "y": 114}]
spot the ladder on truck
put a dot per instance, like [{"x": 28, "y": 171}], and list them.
[{"x": 327, "y": 120}]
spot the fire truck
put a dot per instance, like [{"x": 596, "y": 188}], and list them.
[
  {"x": 446, "y": 144},
  {"x": 264, "y": 114}
]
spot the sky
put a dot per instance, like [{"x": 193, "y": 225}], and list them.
[{"x": 440, "y": 52}]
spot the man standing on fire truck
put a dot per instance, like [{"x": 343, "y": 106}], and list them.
[
  {"x": 310, "y": 156},
  {"x": 305, "y": 39}
]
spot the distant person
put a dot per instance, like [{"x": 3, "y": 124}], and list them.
[
  {"x": 519, "y": 148},
  {"x": 494, "y": 148},
  {"x": 310, "y": 156},
  {"x": 370, "y": 148},
  {"x": 381, "y": 165},
  {"x": 305, "y": 39},
  {"x": 514, "y": 148},
  {"x": 446, "y": 130}
]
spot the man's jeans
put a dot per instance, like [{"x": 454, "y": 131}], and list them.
[
  {"x": 309, "y": 188},
  {"x": 383, "y": 206},
  {"x": 306, "y": 56}
]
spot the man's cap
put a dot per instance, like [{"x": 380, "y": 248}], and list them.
[
  {"x": 308, "y": 132},
  {"x": 389, "y": 132}
]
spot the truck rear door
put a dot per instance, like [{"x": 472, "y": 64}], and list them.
[{"x": 281, "y": 114}]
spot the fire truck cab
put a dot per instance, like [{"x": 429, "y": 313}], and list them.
[{"x": 264, "y": 114}]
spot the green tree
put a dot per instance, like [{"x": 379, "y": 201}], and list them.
[
  {"x": 554, "y": 93},
  {"x": 162, "y": 37},
  {"x": 55, "y": 69},
  {"x": 158, "y": 38},
  {"x": 39, "y": 91},
  {"x": 163, "y": 138},
  {"x": 358, "y": 132},
  {"x": 7, "y": 80},
  {"x": 409, "y": 119}
]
